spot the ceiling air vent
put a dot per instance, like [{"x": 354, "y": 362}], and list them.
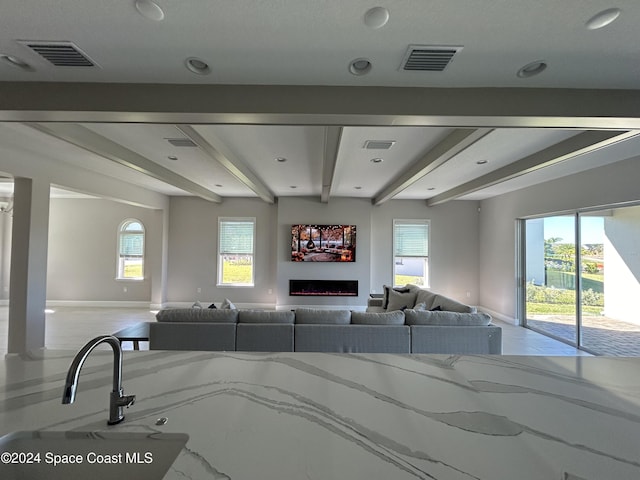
[
  {"x": 181, "y": 142},
  {"x": 379, "y": 144},
  {"x": 61, "y": 54},
  {"x": 425, "y": 58}
]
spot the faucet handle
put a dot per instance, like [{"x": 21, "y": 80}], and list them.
[{"x": 127, "y": 400}]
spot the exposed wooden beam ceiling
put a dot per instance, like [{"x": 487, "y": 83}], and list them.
[
  {"x": 456, "y": 142},
  {"x": 580, "y": 144},
  {"x": 221, "y": 154},
  {"x": 92, "y": 142}
]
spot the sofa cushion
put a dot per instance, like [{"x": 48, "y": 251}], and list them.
[
  {"x": 399, "y": 299},
  {"x": 400, "y": 290},
  {"x": 449, "y": 305},
  {"x": 197, "y": 315},
  {"x": 269, "y": 316},
  {"x": 415, "y": 317},
  {"x": 320, "y": 316},
  {"x": 386, "y": 318}
]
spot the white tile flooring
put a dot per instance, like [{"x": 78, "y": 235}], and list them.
[{"x": 69, "y": 328}]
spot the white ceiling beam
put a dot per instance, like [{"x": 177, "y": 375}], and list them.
[
  {"x": 221, "y": 154},
  {"x": 332, "y": 137},
  {"x": 585, "y": 109},
  {"x": 455, "y": 143},
  {"x": 86, "y": 139},
  {"x": 580, "y": 144}
]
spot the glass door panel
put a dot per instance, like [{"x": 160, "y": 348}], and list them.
[
  {"x": 610, "y": 278},
  {"x": 550, "y": 273}
]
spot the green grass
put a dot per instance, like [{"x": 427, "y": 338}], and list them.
[
  {"x": 560, "y": 309},
  {"x": 567, "y": 280},
  {"x": 404, "y": 279},
  {"x": 133, "y": 271},
  {"x": 238, "y": 273}
]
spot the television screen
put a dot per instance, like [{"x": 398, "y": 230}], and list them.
[{"x": 323, "y": 243}]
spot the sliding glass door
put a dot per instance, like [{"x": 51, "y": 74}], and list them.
[
  {"x": 582, "y": 279},
  {"x": 550, "y": 265}
]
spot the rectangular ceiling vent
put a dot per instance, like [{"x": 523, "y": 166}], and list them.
[
  {"x": 61, "y": 54},
  {"x": 425, "y": 58},
  {"x": 181, "y": 142},
  {"x": 379, "y": 144}
]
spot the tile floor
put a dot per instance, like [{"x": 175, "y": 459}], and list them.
[{"x": 69, "y": 328}]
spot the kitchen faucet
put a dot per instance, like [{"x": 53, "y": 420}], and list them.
[{"x": 117, "y": 399}]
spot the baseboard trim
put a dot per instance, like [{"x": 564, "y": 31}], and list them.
[
  {"x": 98, "y": 304},
  {"x": 500, "y": 316}
]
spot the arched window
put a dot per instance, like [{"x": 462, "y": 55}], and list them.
[{"x": 131, "y": 250}]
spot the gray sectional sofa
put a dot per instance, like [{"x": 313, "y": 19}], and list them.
[{"x": 378, "y": 330}]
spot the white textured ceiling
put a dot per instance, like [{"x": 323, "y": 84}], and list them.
[{"x": 312, "y": 42}]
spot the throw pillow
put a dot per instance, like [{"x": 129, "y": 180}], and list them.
[
  {"x": 400, "y": 299},
  {"x": 228, "y": 305},
  {"x": 418, "y": 307}
]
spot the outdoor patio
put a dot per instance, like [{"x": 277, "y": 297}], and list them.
[{"x": 602, "y": 335}]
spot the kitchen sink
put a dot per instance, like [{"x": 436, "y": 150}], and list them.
[{"x": 94, "y": 455}]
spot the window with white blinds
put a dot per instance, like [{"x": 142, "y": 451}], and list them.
[
  {"x": 236, "y": 246},
  {"x": 131, "y": 250},
  {"x": 411, "y": 252}
]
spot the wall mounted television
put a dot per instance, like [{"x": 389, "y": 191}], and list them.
[{"x": 323, "y": 243}]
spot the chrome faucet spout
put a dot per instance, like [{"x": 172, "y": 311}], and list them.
[{"x": 117, "y": 399}]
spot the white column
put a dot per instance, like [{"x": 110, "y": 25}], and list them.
[{"x": 29, "y": 244}]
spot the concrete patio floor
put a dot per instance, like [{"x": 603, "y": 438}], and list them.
[{"x": 601, "y": 335}]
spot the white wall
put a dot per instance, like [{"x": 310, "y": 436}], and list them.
[
  {"x": 83, "y": 239},
  {"x": 602, "y": 186},
  {"x": 193, "y": 247},
  {"x": 307, "y": 210},
  {"x": 453, "y": 245},
  {"x": 622, "y": 264}
]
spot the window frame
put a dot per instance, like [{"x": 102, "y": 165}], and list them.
[
  {"x": 120, "y": 257},
  {"x": 409, "y": 221},
  {"x": 219, "y": 253}
]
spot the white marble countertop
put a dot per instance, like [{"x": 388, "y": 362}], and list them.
[{"x": 331, "y": 416}]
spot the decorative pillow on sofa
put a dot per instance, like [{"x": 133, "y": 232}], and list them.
[
  {"x": 414, "y": 317},
  {"x": 449, "y": 305},
  {"x": 197, "y": 315},
  {"x": 386, "y": 318},
  {"x": 399, "y": 299},
  {"x": 320, "y": 316},
  {"x": 227, "y": 305}
]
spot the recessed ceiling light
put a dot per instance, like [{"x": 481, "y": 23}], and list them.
[
  {"x": 358, "y": 188},
  {"x": 219, "y": 185},
  {"x": 482, "y": 162},
  {"x": 17, "y": 62},
  {"x": 531, "y": 69},
  {"x": 281, "y": 159},
  {"x": 377, "y": 160},
  {"x": 172, "y": 157},
  {"x": 602, "y": 19},
  {"x": 376, "y": 17},
  {"x": 293, "y": 186},
  {"x": 360, "y": 66},
  {"x": 150, "y": 10},
  {"x": 197, "y": 65},
  {"x": 431, "y": 188}
]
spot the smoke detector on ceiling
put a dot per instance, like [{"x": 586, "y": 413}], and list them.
[
  {"x": 428, "y": 58},
  {"x": 60, "y": 54}
]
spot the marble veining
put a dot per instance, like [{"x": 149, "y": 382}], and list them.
[{"x": 330, "y": 416}]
